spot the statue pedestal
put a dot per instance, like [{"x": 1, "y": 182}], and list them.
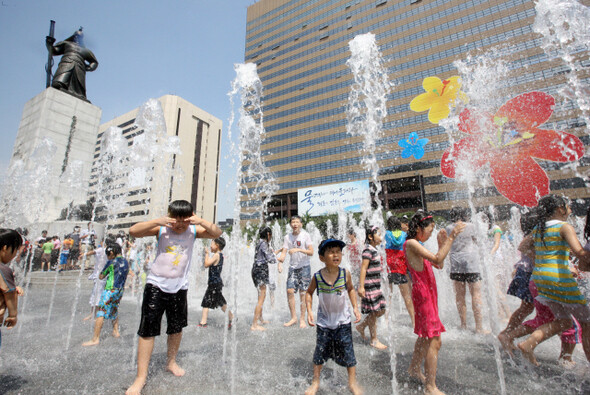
[{"x": 72, "y": 125}]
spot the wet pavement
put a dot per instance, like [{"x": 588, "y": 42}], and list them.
[{"x": 46, "y": 356}]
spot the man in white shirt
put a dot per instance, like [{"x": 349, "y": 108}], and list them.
[{"x": 299, "y": 246}]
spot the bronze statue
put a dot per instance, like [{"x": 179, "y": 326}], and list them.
[{"x": 70, "y": 75}]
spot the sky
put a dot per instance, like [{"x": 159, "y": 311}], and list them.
[{"x": 145, "y": 49}]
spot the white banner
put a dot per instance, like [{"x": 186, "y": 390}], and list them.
[{"x": 329, "y": 199}]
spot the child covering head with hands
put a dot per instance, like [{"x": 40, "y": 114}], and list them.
[{"x": 167, "y": 282}]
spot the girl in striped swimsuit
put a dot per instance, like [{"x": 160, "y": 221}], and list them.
[
  {"x": 553, "y": 239},
  {"x": 373, "y": 301}
]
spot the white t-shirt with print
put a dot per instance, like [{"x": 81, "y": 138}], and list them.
[{"x": 303, "y": 241}]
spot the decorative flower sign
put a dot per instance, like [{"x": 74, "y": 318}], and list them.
[
  {"x": 509, "y": 140},
  {"x": 413, "y": 146},
  {"x": 438, "y": 98}
]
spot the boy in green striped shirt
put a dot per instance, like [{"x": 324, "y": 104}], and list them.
[{"x": 334, "y": 331}]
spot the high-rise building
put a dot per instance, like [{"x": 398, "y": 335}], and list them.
[
  {"x": 199, "y": 134},
  {"x": 301, "y": 48}
]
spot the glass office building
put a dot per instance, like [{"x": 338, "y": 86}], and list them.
[{"x": 301, "y": 49}]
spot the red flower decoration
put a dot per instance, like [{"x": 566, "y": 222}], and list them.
[{"x": 508, "y": 141}]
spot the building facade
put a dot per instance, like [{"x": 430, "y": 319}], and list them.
[
  {"x": 301, "y": 49},
  {"x": 53, "y": 152},
  {"x": 199, "y": 134}
]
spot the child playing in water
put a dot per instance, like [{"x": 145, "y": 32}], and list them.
[
  {"x": 167, "y": 283},
  {"x": 519, "y": 286},
  {"x": 353, "y": 250},
  {"x": 552, "y": 240},
  {"x": 10, "y": 242},
  {"x": 334, "y": 332},
  {"x": 397, "y": 266},
  {"x": 115, "y": 272},
  {"x": 424, "y": 295},
  {"x": 299, "y": 246},
  {"x": 99, "y": 265},
  {"x": 263, "y": 256},
  {"x": 465, "y": 268},
  {"x": 373, "y": 301},
  {"x": 213, "y": 297}
]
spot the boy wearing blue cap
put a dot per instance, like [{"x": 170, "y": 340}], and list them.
[{"x": 334, "y": 330}]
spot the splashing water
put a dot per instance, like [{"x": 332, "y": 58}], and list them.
[
  {"x": 367, "y": 108},
  {"x": 247, "y": 86}
]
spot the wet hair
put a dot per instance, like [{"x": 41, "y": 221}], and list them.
[
  {"x": 528, "y": 221},
  {"x": 404, "y": 219},
  {"x": 264, "y": 232},
  {"x": 180, "y": 209},
  {"x": 114, "y": 248},
  {"x": 351, "y": 231},
  {"x": 220, "y": 241},
  {"x": 547, "y": 206},
  {"x": 393, "y": 223},
  {"x": 370, "y": 233},
  {"x": 490, "y": 218},
  {"x": 295, "y": 217},
  {"x": 458, "y": 214},
  {"x": 43, "y": 231},
  {"x": 420, "y": 220},
  {"x": 10, "y": 238}
]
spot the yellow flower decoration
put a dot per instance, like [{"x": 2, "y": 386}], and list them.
[{"x": 438, "y": 98}]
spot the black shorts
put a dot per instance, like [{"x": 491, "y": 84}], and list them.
[
  {"x": 397, "y": 278},
  {"x": 260, "y": 275},
  {"x": 155, "y": 303},
  {"x": 335, "y": 344},
  {"x": 213, "y": 297},
  {"x": 466, "y": 277}
]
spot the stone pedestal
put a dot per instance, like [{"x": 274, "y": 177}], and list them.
[{"x": 72, "y": 126}]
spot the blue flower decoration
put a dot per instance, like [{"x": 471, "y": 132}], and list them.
[{"x": 413, "y": 146}]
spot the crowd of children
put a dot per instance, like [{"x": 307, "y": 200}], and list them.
[{"x": 544, "y": 279}]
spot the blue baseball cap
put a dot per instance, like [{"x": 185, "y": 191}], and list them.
[{"x": 330, "y": 243}]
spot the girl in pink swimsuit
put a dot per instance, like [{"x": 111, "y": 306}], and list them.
[{"x": 424, "y": 295}]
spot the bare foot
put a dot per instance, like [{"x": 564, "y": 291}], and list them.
[
  {"x": 90, "y": 343},
  {"x": 566, "y": 363},
  {"x": 313, "y": 388},
  {"x": 361, "y": 330},
  {"x": 378, "y": 345},
  {"x": 417, "y": 374},
  {"x": 528, "y": 354},
  {"x": 257, "y": 328},
  {"x": 87, "y": 318},
  {"x": 302, "y": 324},
  {"x": 116, "y": 333},
  {"x": 481, "y": 331},
  {"x": 175, "y": 369},
  {"x": 432, "y": 391},
  {"x": 264, "y": 322},
  {"x": 355, "y": 388},
  {"x": 506, "y": 343},
  {"x": 136, "y": 387},
  {"x": 291, "y": 322}
]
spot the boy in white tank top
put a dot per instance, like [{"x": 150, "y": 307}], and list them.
[
  {"x": 167, "y": 282},
  {"x": 334, "y": 330}
]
